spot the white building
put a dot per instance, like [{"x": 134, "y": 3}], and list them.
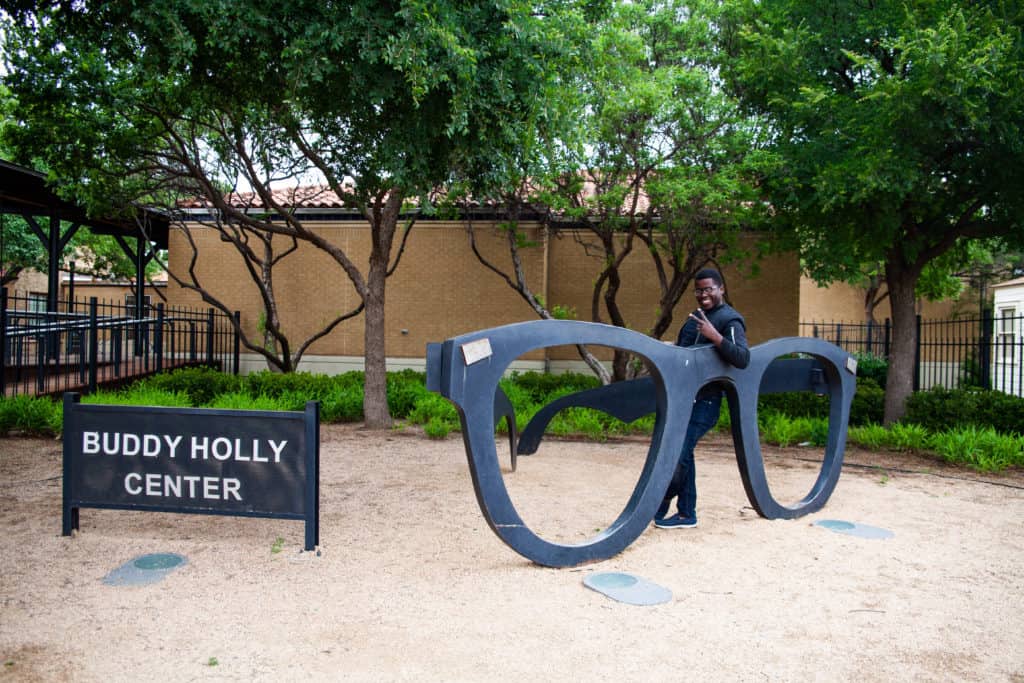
[{"x": 1007, "y": 342}]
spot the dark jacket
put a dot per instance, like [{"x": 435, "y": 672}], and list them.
[{"x": 730, "y": 324}]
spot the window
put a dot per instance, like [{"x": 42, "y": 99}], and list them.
[
  {"x": 36, "y": 302},
  {"x": 1006, "y": 334},
  {"x": 129, "y": 302}
]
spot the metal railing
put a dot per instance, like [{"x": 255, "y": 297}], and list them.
[
  {"x": 93, "y": 343},
  {"x": 985, "y": 351}
]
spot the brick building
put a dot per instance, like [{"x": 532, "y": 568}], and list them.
[{"x": 440, "y": 289}]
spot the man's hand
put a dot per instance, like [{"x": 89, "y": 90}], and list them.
[{"x": 705, "y": 328}]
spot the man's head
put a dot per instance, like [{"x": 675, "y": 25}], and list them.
[{"x": 708, "y": 288}]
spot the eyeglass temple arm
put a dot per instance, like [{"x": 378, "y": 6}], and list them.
[
  {"x": 626, "y": 401},
  {"x": 633, "y": 399}
]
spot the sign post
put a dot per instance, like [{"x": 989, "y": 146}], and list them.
[{"x": 195, "y": 460}]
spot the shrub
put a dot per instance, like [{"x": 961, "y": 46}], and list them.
[
  {"x": 433, "y": 406},
  {"x": 314, "y": 387},
  {"x": 343, "y": 404},
  {"x": 540, "y": 385},
  {"x": 868, "y": 403},
  {"x": 794, "y": 404},
  {"x": 778, "y": 429},
  {"x": 200, "y": 384},
  {"x": 141, "y": 394},
  {"x": 404, "y": 389},
  {"x": 907, "y": 437},
  {"x": 870, "y": 366},
  {"x": 240, "y": 400},
  {"x": 939, "y": 409},
  {"x": 31, "y": 415},
  {"x": 871, "y": 436},
  {"x": 868, "y": 406},
  {"x": 436, "y": 428},
  {"x": 981, "y": 448}
]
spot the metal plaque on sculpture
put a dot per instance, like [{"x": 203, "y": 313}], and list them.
[{"x": 227, "y": 462}]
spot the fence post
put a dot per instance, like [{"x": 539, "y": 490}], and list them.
[
  {"x": 917, "y": 353},
  {"x": 209, "y": 337},
  {"x": 887, "y": 338},
  {"x": 238, "y": 340},
  {"x": 41, "y": 361},
  {"x": 158, "y": 338},
  {"x": 985, "y": 349},
  {"x": 116, "y": 338},
  {"x": 94, "y": 338},
  {"x": 3, "y": 343}
]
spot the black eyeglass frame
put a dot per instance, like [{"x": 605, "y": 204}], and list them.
[{"x": 466, "y": 370}]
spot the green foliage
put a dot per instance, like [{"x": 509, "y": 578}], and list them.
[
  {"x": 140, "y": 394},
  {"x": 314, "y": 387},
  {"x": 344, "y": 404},
  {"x": 540, "y": 386},
  {"x": 870, "y": 436},
  {"x": 402, "y": 98},
  {"x": 783, "y": 430},
  {"x": 868, "y": 404},
  {"x": 939, "y": 409},
  {"x": 867, "y": 407},
  {"x": 872, "y": 367},
  {"x": 31, "y": 415},
  {"x": 239, "y": 400},
  {"x": 907, "y": 437},
  {"x": 983, "y": 449},
  {"x": 199, "y": 384},
  {"x": 404, "y": 389},
  {"x": 899, "y": 127},
  {"x": 437, "y": 428},
  {"x": 434, "y": 407}
]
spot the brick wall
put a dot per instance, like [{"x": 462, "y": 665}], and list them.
[
  {"x": 440, "y": 289},
  {"x": 841, "y": 302}
]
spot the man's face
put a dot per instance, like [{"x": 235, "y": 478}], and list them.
[{"x": 708, "y": 293}]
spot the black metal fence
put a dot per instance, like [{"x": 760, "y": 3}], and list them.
[
  {"x": 984, "y": 351},
  {"x": 89, "y": 343}
]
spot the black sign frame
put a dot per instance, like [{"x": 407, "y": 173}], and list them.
[{"x": 209, "y": 479}]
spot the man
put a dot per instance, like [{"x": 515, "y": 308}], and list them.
[{"x": 714, "y": 322}]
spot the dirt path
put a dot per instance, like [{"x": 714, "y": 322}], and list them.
[{"x": 412, "y": 585}]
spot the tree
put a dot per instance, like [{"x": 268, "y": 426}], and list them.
[
  {"x": 157, "y": 100},
  {"x": 261, "y": 253},
  {"x": 941, "y": 279},
  {"x": 671, "y": 165},
  {"x": 900, "y": 127},
  {"x": 99, "y": 256},
  {"x": 658, "y": 161}
]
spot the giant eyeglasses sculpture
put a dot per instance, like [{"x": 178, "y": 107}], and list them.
[{"x": 466, "y": 370}]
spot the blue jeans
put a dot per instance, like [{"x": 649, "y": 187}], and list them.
[{"x": 684, "y": 480}]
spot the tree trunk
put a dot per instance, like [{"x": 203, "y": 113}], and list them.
[
  {"x": 900, "y": 382},
  {"x": 375, "y": 397},
  {"x": 384, "y": 222}
]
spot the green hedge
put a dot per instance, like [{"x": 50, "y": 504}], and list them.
[
  {"x": 868, "y": 404},
  {"x": 975, "y": 427},
  {"x": 938, "y": 409}
]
